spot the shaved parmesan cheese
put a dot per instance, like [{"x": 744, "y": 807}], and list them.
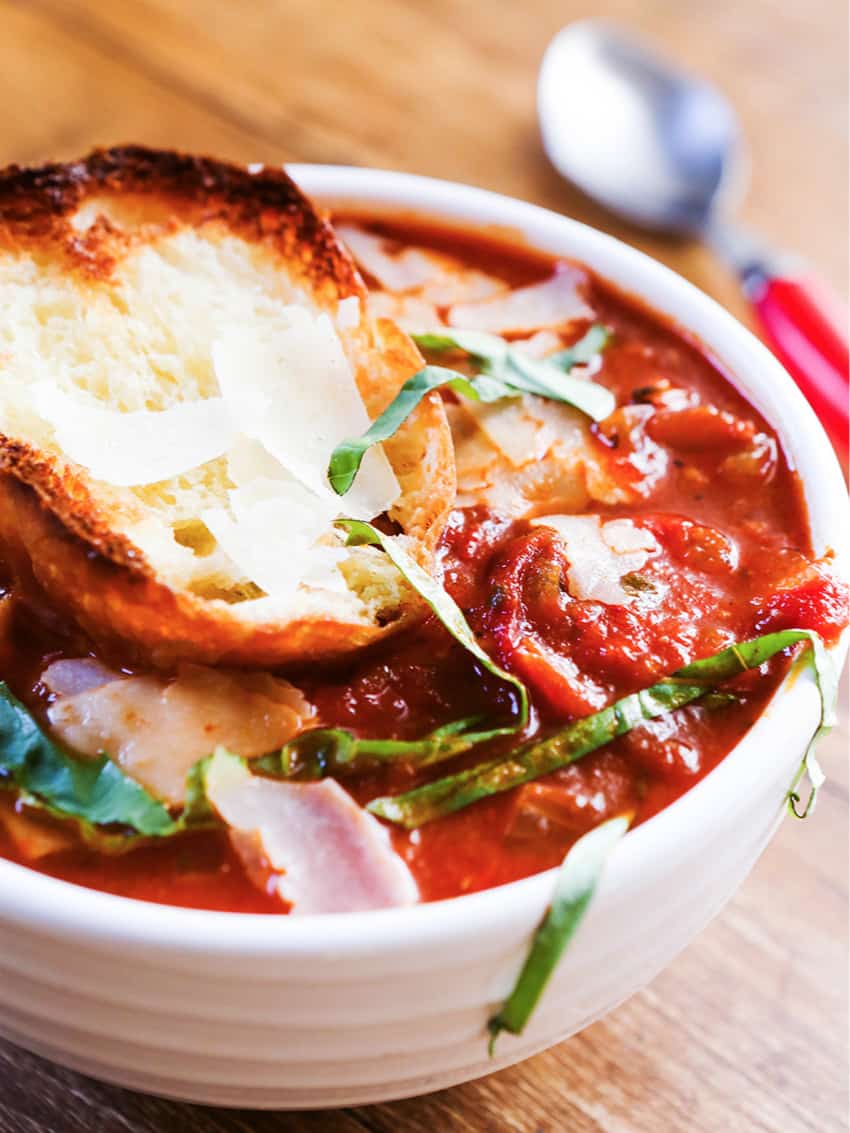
[
  {"x": 438, "y": 280},
  {"x": 268, "y": 534},
  {"x": 404, "y": 271},
  {"x": 454, "y": 283},
  {"x": 514, "y": 426},
  {"x": 410, "y": 312},
  {"x": 554, "y": 303},
  {"x": 623, "y": 538},
  {"x": 321, "y": 568},
  {"x": 293, "y": 391},
  {"x": 155, "y": 539},
  {"x": 76, "y": 674},
  {"x": 523, "y": 429},
  {"x": 600, "y": 554},
  {"x": 348, "y": 313},
  {"x": 156, "y": 728},
  {"x": 540, "y": 344},
  {"x": 248, "y": 461},
  {"x": 326, "y": 854},
  {"x": 128, "y": 449}
]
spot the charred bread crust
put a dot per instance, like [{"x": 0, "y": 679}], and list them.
[
  {"x": 264, "y": 207},
  {"x": 53, "y": 527},
  {"x": 136, "y": 620}
]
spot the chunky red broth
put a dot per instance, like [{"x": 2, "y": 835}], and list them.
[{"x": 733, "y": 560}]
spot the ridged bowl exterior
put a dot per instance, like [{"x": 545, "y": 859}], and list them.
[{"x": 338, "y": 1010}]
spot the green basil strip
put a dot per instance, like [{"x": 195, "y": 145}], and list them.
[
  {"x": 826, "y": 678},
  {"x": 583, "y": 352},
  {"x": 537, "y": 376},
  {"x": 541, "y": 757},
  {"x": 578, "y": 878},
  {"x": 504, "y": 372},
  {"x": 446, "y": 609},
  {"x": 347, "y": 457},
  {"x": 331, "y": 751},
  {"x": 506, "y": 363},
  {"x": 94, "y": 792}
]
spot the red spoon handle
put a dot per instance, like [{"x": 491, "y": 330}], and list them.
[{"x": 806, "y": 326}]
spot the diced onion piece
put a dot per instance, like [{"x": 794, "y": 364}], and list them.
[
  {"x": 156, "y": 728},
  {"x": 555, "y": 302},
  {"x": 327, "y": 855},
  {"x": 600, "y": 554},
  {"x": 142, "y": 447},
  {"x": 294, "y": 391}
]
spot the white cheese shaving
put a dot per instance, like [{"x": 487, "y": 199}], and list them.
[
  {"x": 270, "y": 530},
  {"x": 156, "y": 728},
  {"x": 326, "y": 854},
  {"x": 540, "y": 344},
  {"x": 155, "y": 539},
  {"x": 293, "y": 391},
  {"x": 348, "y": 313},
  {"x": 555, "y": 302},
  {"x": 515, "y": 427},
  {"x": 288, "y": 554},
  {"x": 404, "y": 271},
  {"x": 453, "y": 283},
  {"x": 410, "y": 312},
  {"x": 129, "y": 449},
  {"x": 523, "y": 430},
  {"x": 624, "y": 538},
  {"x": 600, "y": 554},
  {"x": 437, "y": 279}
]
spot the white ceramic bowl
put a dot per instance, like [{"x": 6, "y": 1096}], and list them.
[{"x": 353, "y": 1008}]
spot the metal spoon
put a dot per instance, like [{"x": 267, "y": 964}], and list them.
[{"x": 663, "y": 149}]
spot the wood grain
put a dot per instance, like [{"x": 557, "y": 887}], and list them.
[{"x": 746, "y": 1031}]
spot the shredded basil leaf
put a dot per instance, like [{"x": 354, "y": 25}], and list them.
[
  {"x": 541, "y": 757},
  {"x": 583, "y": 352},
  {"x": 578, "y": 878},
  {"x": 332, "y": 751},
  {"x": 826, "y": 679},
  {"x": 504, "y": 372},
  {"x": 443, "y": 605},
  {"x": 348, "y": 455},
  {"x": 112, "y": 810},
  {"x": 545, "y": 377},
  {"x": 115, "y": 813}
]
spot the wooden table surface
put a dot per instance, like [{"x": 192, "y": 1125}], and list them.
[{"x": 746, "y": 1031}]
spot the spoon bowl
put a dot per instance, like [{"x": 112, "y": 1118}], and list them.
[
  {"x": 654, "y": 145},
  {"x": 662, "y": 149}
]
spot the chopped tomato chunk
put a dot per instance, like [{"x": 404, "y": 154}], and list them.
[
  {"x": 698, "y": 428},
  {"x": 821, "y": 603}
]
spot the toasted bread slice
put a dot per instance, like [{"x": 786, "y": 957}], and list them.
[{"x": 119, "y": 275}]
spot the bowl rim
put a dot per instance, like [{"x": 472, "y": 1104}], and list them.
[{"x": 55, "y": 907}]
